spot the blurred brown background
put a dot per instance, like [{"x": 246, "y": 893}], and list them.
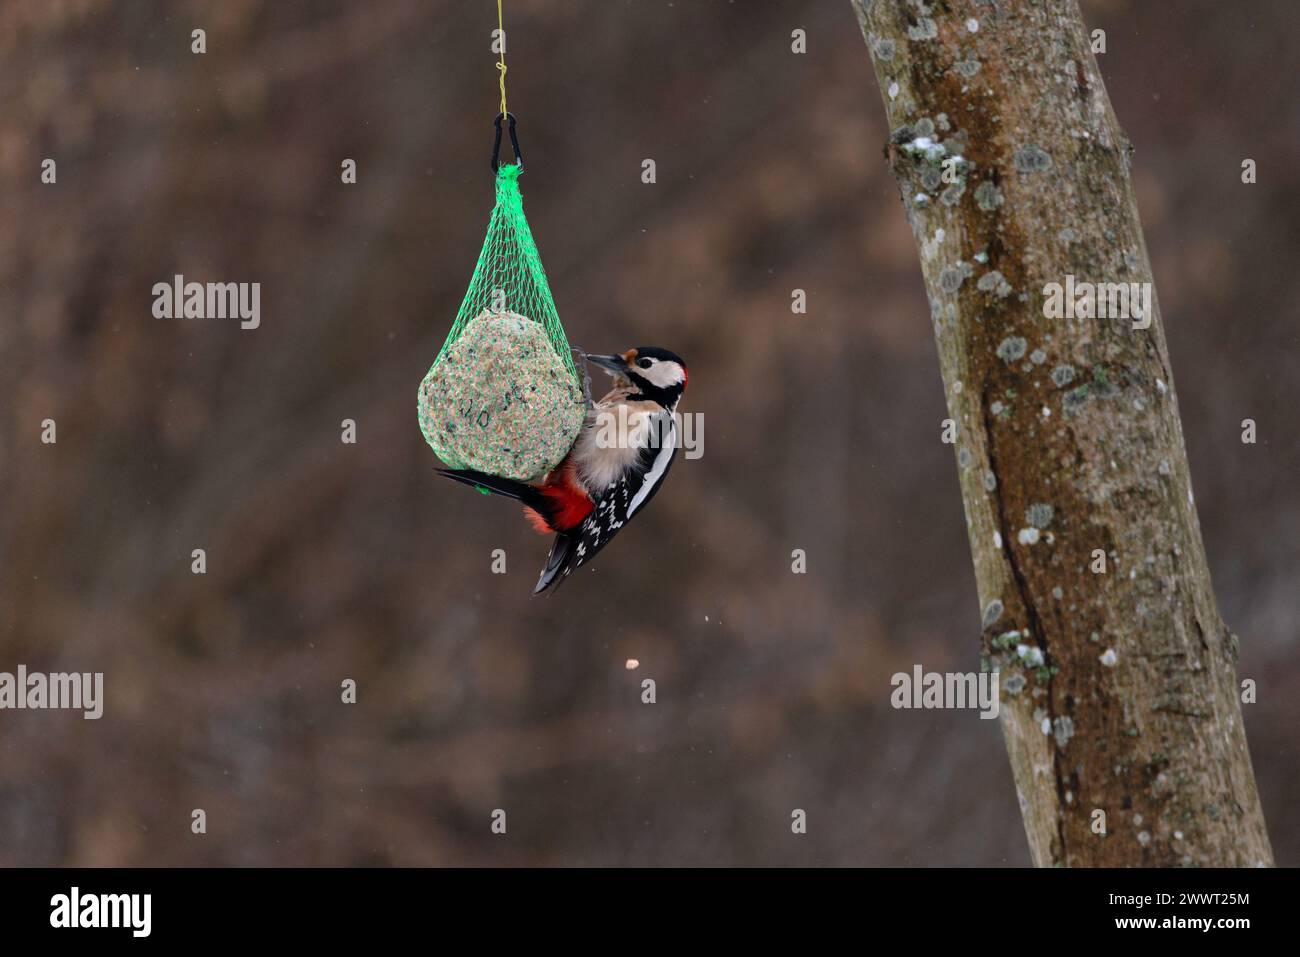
[{"x": 328, "y": 561}]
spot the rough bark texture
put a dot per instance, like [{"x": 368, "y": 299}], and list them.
[{"x": 1068, "y": 440}]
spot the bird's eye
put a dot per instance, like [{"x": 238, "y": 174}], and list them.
[{"x": 645, "y": 363}]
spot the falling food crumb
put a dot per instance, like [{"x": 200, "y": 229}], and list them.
[{"x": 632, "y": 664}]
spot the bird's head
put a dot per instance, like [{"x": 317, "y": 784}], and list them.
[{"x": 656, "y": 374}]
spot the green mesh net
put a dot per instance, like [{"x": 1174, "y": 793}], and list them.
[{"x": 503, "y": 396}]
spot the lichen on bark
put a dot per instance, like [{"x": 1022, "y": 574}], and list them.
[{"x": 1119, "y": 686}]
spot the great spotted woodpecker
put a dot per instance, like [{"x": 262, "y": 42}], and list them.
[{"x": 619, "y": 460}]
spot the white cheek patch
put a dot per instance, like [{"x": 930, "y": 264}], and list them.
[{"x": 662, "y": 374}]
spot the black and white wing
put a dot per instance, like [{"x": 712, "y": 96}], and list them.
[{"x": 622, "y": 499}]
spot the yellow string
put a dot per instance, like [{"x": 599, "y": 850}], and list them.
[{"x": 501, "y": 66}]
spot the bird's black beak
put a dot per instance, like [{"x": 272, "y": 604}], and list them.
[{"x": 614, "y": 364}]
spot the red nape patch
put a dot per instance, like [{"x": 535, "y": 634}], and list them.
[{"x": 685, "y": 378}]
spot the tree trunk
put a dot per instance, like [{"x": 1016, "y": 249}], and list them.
[{"x": 1118, "y": 679}]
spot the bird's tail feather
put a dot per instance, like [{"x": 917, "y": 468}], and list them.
[
  {"x": 557, "y": 562},
  {"x": 521, "y": 492}
]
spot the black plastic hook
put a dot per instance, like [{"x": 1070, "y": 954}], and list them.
[{"x": 514, "y": 141}]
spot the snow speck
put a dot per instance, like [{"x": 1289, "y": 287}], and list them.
[
  {"x": 997, "y": 539},
  {"x": 1027, "y": 536},
  {"x": 973, "y": 25},
  {"x": 1109, "y": 658},
  {"x": 893, "y": 90}
]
